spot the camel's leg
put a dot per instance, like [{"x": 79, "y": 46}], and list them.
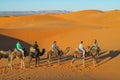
[
  {"x": 73, "y": 60},
  {"x": 37, "y": 60},
  {"x": 49, "y": 59},
  {"x": 30, "y": 59},
  {"x": 10, "y": 62},
  {"x": 83, "y": 60},
  {"x": 94, "y": 62},
  {"x": 23, "y": 62}
]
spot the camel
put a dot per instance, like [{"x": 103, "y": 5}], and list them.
[
  {"x": 35, "y": 54},
  {"x": 94, "y": 53},
  {"x": 4, "y": 54},
  {"x": 78, "y": 54},
  {"x": 17, "y": 54},
  {"x": 56, "y": 54},
  {"x": 91, "y": 52}
]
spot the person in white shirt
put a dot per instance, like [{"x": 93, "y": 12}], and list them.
[
  {"x": 95, "y": 46},
  {"x": 81, "y": 47}
]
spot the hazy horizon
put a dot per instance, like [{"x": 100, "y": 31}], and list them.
[
  {"x": 30, "y": 5},
  {"x": 61, "y": 10}
]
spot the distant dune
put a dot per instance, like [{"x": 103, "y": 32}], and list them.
[
  {"x": 86, "y": 18},
  {"x": 24, "y": 13},
  {"x": 94, "y": 17}
]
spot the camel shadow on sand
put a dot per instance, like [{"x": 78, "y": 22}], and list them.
[
  {"x": 8, "y": 43},
  {"x": 64, "y": 59},
  {"x": 54, "y": 60},
  {"x": 106, "y": 57}
]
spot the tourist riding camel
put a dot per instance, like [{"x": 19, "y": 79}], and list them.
[
  {"x": 36, "y": 47},
  {"x": 19, "y": 47},
  {"x": 55, "y": 48},
  {"x": 95, "y": 45},
  {"x": 81, "y": 48}
]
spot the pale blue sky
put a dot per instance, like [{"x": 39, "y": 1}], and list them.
[{"x": 70, "y": 5}]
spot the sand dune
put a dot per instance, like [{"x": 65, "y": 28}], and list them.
[
  {"x": 36, "y": 21},
  {"x": 94, "y": 17},
  {"x": 68, "y": 30}
]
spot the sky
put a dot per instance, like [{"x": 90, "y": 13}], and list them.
[{"x": 70, "y": 5}]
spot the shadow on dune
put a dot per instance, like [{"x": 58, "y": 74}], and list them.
[
  {"x": 110, "y": 55},
  {"x": 54, "y": 60},
  {"x": 66, "y": 58},
  {"x": 63, "y": 60},
  {"x": 8, "y": 43}
]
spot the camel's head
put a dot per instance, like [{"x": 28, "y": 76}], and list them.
[
  {"x": 88, "y": 47},
  {"x": 67, "y": 50},
  {"x": 44, "y": 50},
  {"x": 9, "y": 51},
  {"x": 15, "y": 50}
]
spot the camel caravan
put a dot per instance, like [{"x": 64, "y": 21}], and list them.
[{"x": 34, "y": 52}]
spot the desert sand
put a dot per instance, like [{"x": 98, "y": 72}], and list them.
[{"x": 68, "y": 30}]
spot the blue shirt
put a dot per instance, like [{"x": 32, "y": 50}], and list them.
[
  {"x": 18, "y": 46},
  {"x": 53, "y": 45}
]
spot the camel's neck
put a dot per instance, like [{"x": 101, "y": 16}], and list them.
[{"x": 66, "y": 50}]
